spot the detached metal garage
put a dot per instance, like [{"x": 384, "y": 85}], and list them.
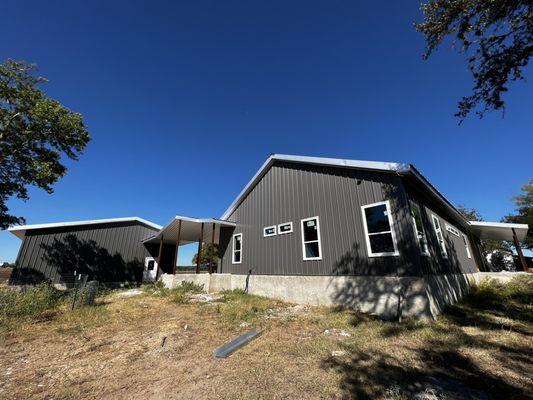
[{"x": 108, "y": 250}]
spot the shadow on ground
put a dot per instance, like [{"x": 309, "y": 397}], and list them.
[{"x": 440, "y": 358}]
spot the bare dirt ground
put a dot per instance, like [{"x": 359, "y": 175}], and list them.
[{"x": 149, "y": 347}]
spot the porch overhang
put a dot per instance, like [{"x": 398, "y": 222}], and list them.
[
  {"x": 499, "y": 230},
  {"x": 184, "y": 230}
]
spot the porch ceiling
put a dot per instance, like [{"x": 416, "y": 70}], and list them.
[
  {"x": 190, "y": 230},
  {"x": 499, "y": 230}
]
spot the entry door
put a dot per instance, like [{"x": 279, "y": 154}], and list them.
[{"x": 150, "y": 269}]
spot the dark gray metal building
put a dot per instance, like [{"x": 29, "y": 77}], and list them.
[
  {"x": 108, "y": 250},
  {"x": 341, "y": 195},
  {"x": 373, "y": 235}
]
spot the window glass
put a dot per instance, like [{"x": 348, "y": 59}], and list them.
[
  {"x": 311, "y": 250},
  {"x": 285, "y": 228},
  {"x": 269, "y": 231},
  {"x": 377, "y": 219},
  {"x": 310, "y": 230},
  {"x": 419, "y": 227},
  {"x": 381, "y": 243},
  {"x": 311, "y": 239},
  {"x": 237, "y": 248},
  {"x": 440, "y": 238}
]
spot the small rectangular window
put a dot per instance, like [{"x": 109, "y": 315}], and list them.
[
  {"x": 452, "y": 230},
  {"x": 465, "y": 241},
  {"x": 269, "y": 231},
  {"x": 237, "y": 248},
  {"x": 380, "y": 238},
  {"x": 311, "y": 246},
  {"x": 440, "y": 238},
  {"x": 285, "y": 228},
  {"x": 420, "y": 233}
]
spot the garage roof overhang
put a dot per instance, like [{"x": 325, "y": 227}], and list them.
[
  {"x": 499, "y": 230},
  {"x": 20, "y": 231},
  {"x": 188, "y": 230}
]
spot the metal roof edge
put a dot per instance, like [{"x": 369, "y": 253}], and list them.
[
  {"x": 20, "y": 231},
  {"x": 499, "y": 224},
  {"x": 334, "y": 162}
]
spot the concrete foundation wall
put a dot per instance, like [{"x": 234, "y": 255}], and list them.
[{"x": 414, "y": 297}]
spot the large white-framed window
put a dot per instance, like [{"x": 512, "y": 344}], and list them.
[
  {"x": 440, "y": 237},
  {"x": 311, "y": 243},
  {"x": 286, "y": 227},
  {"x": 467, "y": 246},
  {"x": 418, "y": 225},
  {"x": 269, "y": 231},
  {"x": 379, "y": 232},
  {"x": 237, "y": 249}
]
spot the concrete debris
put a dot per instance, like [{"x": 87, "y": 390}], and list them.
[
  {"x": 204, "y": 298},
  {"x": 244, "y": 324},
  {"x": 129, "y": 293},
  {"x": 338, "y": 353},
  {"x": 337, "y": 332}
]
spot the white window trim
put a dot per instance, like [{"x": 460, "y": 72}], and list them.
[
  {"x": 270, "y": 227},
  {"x": 285, "y": 223},
  {"x": 367, "y": 236},
  {"x": 467, "y": 246},
  {"x": 452, "y": 230},
  {"x": 233, "y": 250},
  {"x": 310, "y": 241},
  {"x": 424, "y": 248},
  {"x": 147, "y": 260},
  {"x": 442, "y": 249}
]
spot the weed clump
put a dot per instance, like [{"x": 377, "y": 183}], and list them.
[
  {"x": 180, "y": 294},
  {"x": 27, "y": 303}
]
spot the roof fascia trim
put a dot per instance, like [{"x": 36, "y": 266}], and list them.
[{"x": 20, "y": 231}]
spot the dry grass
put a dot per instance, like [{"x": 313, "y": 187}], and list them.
[{"x": 149, "y": 346}]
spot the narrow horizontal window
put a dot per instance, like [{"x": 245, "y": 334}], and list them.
[
  {"x": 237, "y": 249},
  {"x": 418, "y": 225},
  {"x": 452, "y": 230},
  {"x": 440, "y": 237},
  {"x": 380, "y": 238},
  {"x": 269, "y": 231},
  {"x": 311, "y": 246},
  {"x": 285, "y": 228}
]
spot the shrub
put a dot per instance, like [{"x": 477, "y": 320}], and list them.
[{"x": 28, "y": 303}]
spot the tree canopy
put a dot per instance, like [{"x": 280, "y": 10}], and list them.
[
  {"x": 496, "y": 37},
  {"x": 35, "y": 132},
  {"x": 524, "y": 215},
  {"x": 209, "y": 252}
]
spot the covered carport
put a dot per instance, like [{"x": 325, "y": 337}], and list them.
[
  {"x": 515, "y": 233},
  {"x": 165, "y": 244}
]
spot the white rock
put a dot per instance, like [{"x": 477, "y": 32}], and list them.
[{"x": 338, "y": 353}]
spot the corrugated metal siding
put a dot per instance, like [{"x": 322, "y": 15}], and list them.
[
  {"x": 121, "y": 240},
  {"x": 457, "y": 261},
  {"x": 290, "y": 192}
]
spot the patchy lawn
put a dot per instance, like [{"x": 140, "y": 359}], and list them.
[{"x": 159, "y": 344}]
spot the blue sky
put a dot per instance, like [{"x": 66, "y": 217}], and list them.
[{"x": 185, "y": 100}]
